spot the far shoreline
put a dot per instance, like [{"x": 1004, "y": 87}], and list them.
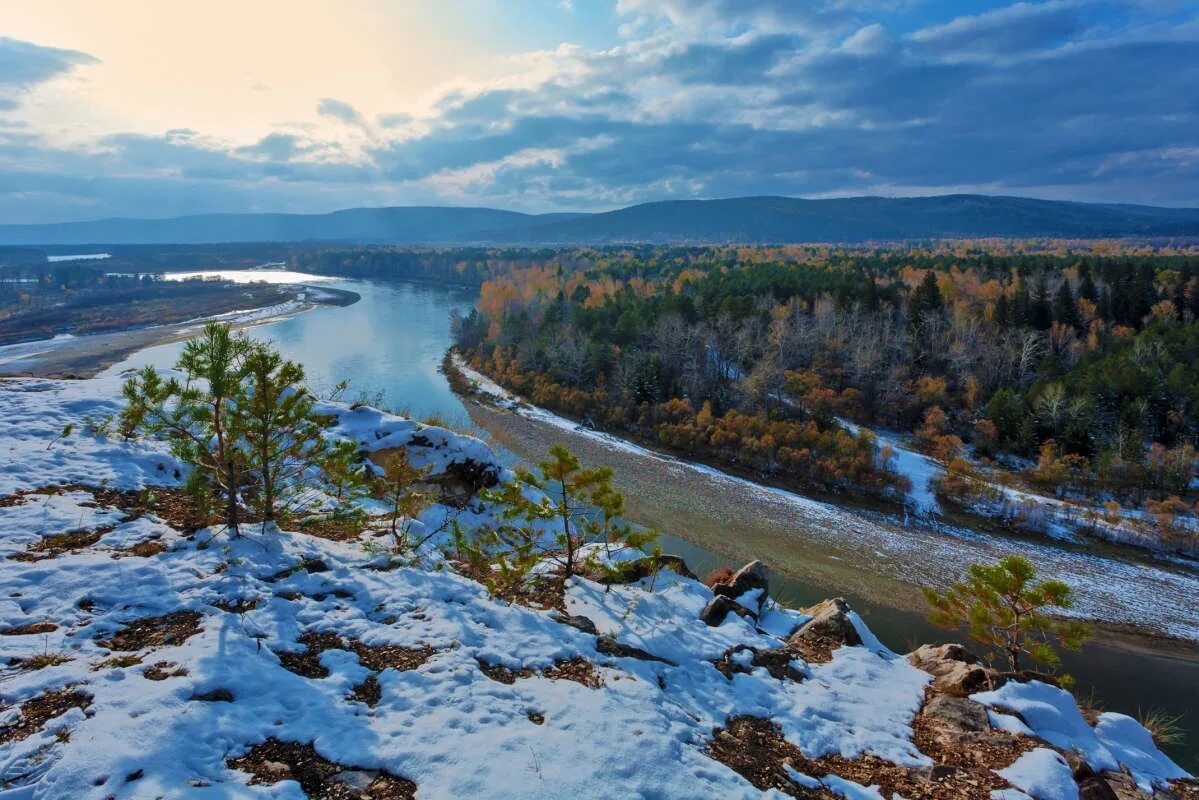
[{"x": 88, "y": 355}]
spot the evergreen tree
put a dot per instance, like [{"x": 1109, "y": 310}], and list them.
[
  {"x": 1005, "y": 609},
  {"x": 1064, "y": 309},
  {"x": 926, "y": 298},
  {"x": 1002, "y": 313},
  {"x": 569, "y": 506},
  {"x": 1041, "y": 311},
  {"x": 276, "y": 423},
  {"x": 1086, "y": 284},
  {"x": 198, "y": 413}
]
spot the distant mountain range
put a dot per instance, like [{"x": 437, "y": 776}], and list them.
[{"x": 749, "y": 220}]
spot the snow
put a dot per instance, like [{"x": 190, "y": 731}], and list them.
[
  {"x": 444, "y": 725},
  {"x": 1133, "y": 747},
  {"x": 916, "y": 467},
  {"x": 1053, "y": 716},
  {"x": 1043, "y": 775}
]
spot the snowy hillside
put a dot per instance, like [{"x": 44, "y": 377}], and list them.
[{"x": 142, "y": 659}]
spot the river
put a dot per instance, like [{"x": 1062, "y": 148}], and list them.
[{"x": 389, "y": 347}]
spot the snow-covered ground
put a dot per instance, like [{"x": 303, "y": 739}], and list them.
[{"x": 163, "y": 717}]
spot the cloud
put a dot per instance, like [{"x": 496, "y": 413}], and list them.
[
  {"x": 1004, "y": 32},
  {"x": 329, "y": 107},
  {"x": 701, "y": 98},
  {"x": 24, "y": 64}
]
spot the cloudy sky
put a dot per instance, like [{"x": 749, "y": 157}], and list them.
[{"x": 140, "y": 108}]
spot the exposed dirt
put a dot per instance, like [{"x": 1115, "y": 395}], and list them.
[
  {"x": 577, "y": 669},
  {"x": 239, "y": 606},
  {"x": 171, "y": 504},
  {"x": 161, "y": 670},
  {"x": 369, "y": 692},
  {"x": 169, "y": 629},
  {"x": 320, "y": 779},
  {"x": 146, "y": 549},
  {"x": 37, "y": 712},
  {"x": 546, "y": 592},
  {"x": 374, "y": 657},
  {"x": 31, "y": 628},
  {"x": 755, "y": 748},
  {"x": 54, "y": 546}
]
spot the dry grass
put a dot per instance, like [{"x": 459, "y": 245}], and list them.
[{"x": 1163, "y": 726}]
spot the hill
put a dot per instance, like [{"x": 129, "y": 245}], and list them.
[
  {"x": 146, "y": 658},
  {"x": 746, "y": 220}
]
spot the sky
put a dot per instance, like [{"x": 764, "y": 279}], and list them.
[{"x": 154, "y": 109}]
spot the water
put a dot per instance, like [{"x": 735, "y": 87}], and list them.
[
  {"x": 392, "y": 342},
  {"x": 389, "y": 345}
]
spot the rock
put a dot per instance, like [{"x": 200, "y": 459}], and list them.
[
  {"x": 1096, "y": 789},
  {"x": 957, "y": 714},
  {"x": 955, "y": 670},
  {"x": 716, "y": 610},
  {"x": 607, "y": 645},
  {"x": 754, "y": 575},
  {"x": 777, "y": 662},
  {"x": 576, "y": 621},
  {"x": 358, "y": 780},
  {"x": 829, "y": 628},
  {"x": 276, "y": 769}
]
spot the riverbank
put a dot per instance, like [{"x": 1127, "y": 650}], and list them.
[
  {"x": 88, "y": 355},
  {"x": 830, "y": 544},
  {"x": 1145, "y": 614}
]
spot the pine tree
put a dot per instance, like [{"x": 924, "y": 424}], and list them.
[
  {"x": 1042, "y": 312},
  {"x": 398, "y": 488},
  {"x": 1064, "y": 309},
  {"x": 561, "y": 509},
  {"x": 198, "y": 412},
  {"x": 276, "y": 422},
  {"x": 1005, "y": 609},
  {"x": 1086, "y": 284}
]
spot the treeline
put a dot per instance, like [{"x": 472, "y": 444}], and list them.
[
  {"x": 42, "y": 301},
  {"x": 1003, "y": 347},
  {"x": 475, "y": 265}
]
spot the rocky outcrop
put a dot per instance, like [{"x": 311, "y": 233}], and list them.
[
  {"x": 829, "y": 628},
  {"x": 745, "y": 593},
  {"x": 955, "y": 670},
  {"x": 776, "y": 661}
]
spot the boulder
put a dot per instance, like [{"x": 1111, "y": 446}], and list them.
[
  {"x": 956, "y": 715},
  {"x": 716, "y": 610},
  {"x": 955, "y": 670},
  {"x": 829, "y": 628},
  {"x": 576, "y": 621},
  {"x": 754, "y": 575},
  {"x": 1110, "y": 786},
  {"x": 776, "y": 661}
]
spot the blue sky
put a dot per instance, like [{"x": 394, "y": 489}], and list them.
[{"x": 126, "y": 108}]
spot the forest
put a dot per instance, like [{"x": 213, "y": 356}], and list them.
[
  {"x": 1071, "y": 366},
  {"x": 43, "y": 300}
]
